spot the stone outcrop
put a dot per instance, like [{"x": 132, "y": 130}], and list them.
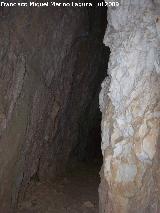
[
  {"x": 52, "y": 63},
  {"x": 130, "y": 105}
]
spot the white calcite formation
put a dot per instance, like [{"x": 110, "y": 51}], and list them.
[{"x": 130, "y": 105}]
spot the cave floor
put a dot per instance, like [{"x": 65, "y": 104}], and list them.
[{"x": 76, "y": 192}]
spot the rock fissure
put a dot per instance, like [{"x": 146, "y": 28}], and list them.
[{"x": 52, "y": 64}]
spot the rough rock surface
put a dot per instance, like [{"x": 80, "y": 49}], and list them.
[
  {"x": 130, "y": 105},
  {"x": 50, "y": 71},
  {"x": 76, "y": 192}
]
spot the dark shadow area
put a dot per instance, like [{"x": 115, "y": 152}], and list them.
[{"x": 88, "y": 146}]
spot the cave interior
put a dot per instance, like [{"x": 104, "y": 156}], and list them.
[{"x": 53, "y": 64}]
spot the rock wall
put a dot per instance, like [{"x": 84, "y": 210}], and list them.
[
  {"x": 50, "y": 71},
  {"x": 130, "y": 105}
]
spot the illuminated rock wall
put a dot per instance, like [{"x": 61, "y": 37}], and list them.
[{"x": 130, "y": 105}]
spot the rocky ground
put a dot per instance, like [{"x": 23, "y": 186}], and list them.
[{"x": 76, "y": 192}]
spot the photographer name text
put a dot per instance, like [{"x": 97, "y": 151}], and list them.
[{"x": 58, "y": 4}]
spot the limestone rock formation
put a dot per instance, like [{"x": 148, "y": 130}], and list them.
[{"x": 130, "y": 105}]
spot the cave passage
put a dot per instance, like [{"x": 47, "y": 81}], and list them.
[
  {"x": 53, "y": 64},
  {"x": 75, "y": 186}
]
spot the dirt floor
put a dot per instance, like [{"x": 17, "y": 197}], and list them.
[{"x": 77, "y": 192}]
